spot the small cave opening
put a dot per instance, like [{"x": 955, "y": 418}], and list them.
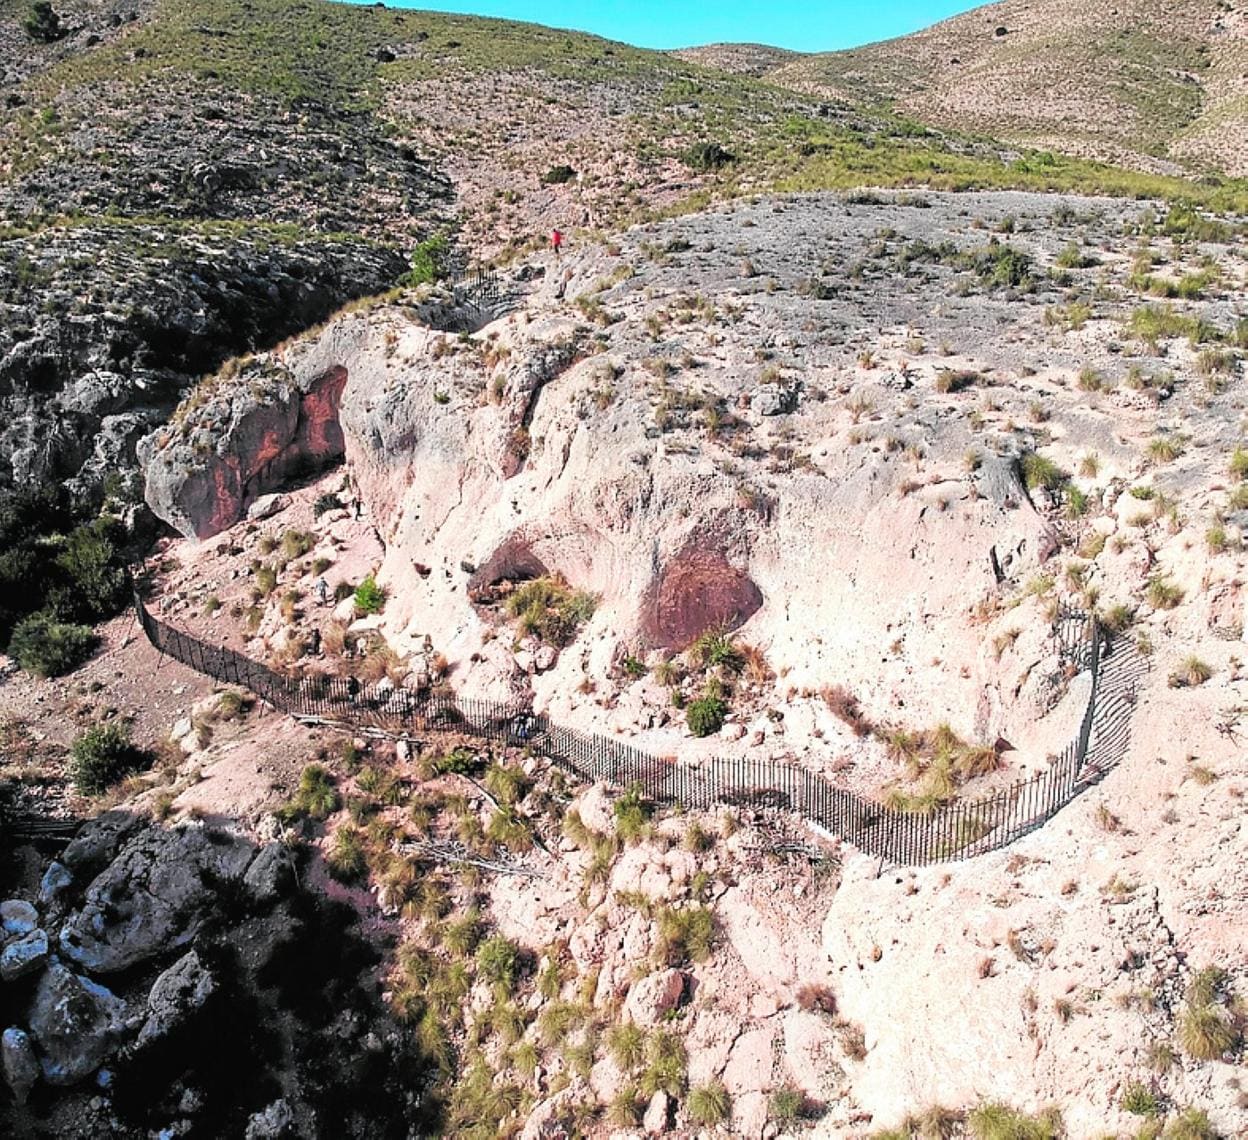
[{"x": 512, "y": 563}]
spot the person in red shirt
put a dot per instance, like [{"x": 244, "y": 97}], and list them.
[{"x": 556, "y": 242}]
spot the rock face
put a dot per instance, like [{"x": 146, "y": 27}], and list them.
[
  {"x": 153, "y": 898},
  {"x": 274, "y": 426},
  {"x": 75, "y": 1023},
  {"x": 197, "y": 1024},
  {"x": 76, "y": 395}
]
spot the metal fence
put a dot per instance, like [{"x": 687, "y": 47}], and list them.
[{"x": 952, "y": 831}]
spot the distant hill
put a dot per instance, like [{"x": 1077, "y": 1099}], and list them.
[{"x": 1155, "y": 84}]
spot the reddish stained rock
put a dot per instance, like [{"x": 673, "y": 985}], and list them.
[
  {"x": 270, "y": 442},
  {"x": 697, "y": 590}
]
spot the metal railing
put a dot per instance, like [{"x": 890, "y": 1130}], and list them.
[{"x": 947, "y": 832}]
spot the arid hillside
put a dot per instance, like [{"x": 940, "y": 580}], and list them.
[{"x": 1149, "y": 83}]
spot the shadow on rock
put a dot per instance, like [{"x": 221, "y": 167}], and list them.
[{"x": 180, "y": 982}]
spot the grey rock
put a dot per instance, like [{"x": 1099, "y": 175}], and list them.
[
  {"x": 76, "y": 1023},
  {"x": 274, "y": 1121},
  {"x": 176, "y": 996},
  {"x": 153, "y": 898},
  {"x": 267, "y": 506},
  {"x": 99, "y": 841},
  {"x": 21, "y": 1066},
  {"x": 17, "y": 917},
  {"x": 57, "y": 879},
  {"x": 773, "y": 399},
  {"x": 24, "y": 955},
  {"x": 270, "y": 874}
]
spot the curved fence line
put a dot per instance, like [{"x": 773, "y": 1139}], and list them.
[{"x": 953, "y": 831}]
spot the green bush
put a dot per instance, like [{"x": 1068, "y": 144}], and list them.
[
  {"x": 369, "y": 597},
  {"x": 1140, "y": 1100},
  {"x": 558, "y": 175},
  {"x": 548, "y": 608},
  {"x": 705, "y": 716},
  {"x": 45, "y": 647},
  {"x": 95, "y": 568},
  {"x": 709, "y": 1105},
  {"x": 315, "y": 796},
  {"x": 707, "y": 156},
  {"x": 632, "y": 814},
  {"x": 785, "y": 1105},
  {"x": 100, "y": 757},
  {"x": 430, "y": 261},
  {"x": 43, "y": 24},
  {"x": 1038, "y": 471},
  {"x": 498, "y": 961}
]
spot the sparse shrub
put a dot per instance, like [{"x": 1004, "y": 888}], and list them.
[
  {"x": 46, "y": 647},
  {"x": 685, "y": 935},
  {"x": 1238, "y": 465},
  {"x": 709, "y": 1104},
  {"x": 705, "y": 716},
  {"x": 665, "y": 1064},
  {"x": 1039, "y": 471},
  {"x": 997, "y": 1122},
  {"x": 1205, "y": 1033},
  {"x": 369, "y": 597},
  {"x": 266, "y": 579},
  {"x": 558, "y": 175},
  {"x": 1191, "y": 1124},
  {"x": 101, "y": 756},
  {"x": 715, "y": 648},
  {"x": 1191, "y": 673},
  {"x": 347, "y": 860},
  {"x": 626, "y": 1044},
  {"x": 315, "y": 797},
  {"x": 814, "y": 997},
  {"x": 948, "y": 380},
  {"x": 1140, "y": 1100},
  {"x": 708, "y": 156},
  {"x": 549, "y": 609},
  {"x": 632, "y": 814},
  {"x": 1164, "y": 449},
  {"x": 845, "y": 706},
  {"x": 1162, "y": 593},
  {"x": 785, "y": 1105},
  {"x": 498, "y": 961},
  {"x": 296, "y": 543}
]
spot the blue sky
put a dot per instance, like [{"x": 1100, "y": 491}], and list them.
[{"x": 805, "y": 25}]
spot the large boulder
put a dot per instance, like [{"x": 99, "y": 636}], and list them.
[
  {"x": 177, "y": 995},
  {"x": 75, "y": 1022},
  {"x": 153, "y": 898},
  {"x": 247, "y": 439}
]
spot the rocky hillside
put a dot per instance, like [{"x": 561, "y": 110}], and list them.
[
  {"x": 1147, "y": 83},
  {"x": 347, "y": 134}
]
